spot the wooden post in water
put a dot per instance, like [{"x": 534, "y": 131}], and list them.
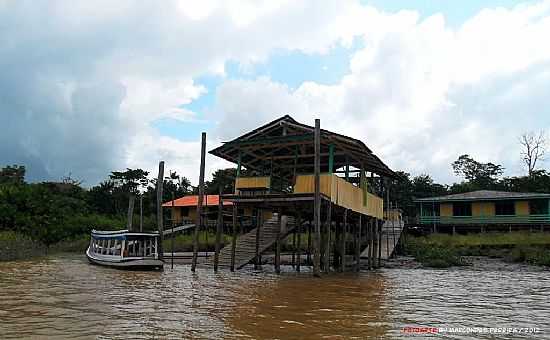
[
  {"x": 278, "y": 244},
  {"x": 327, "y": 246},
  {"x": 358, "y": 245},
  {"x": 141, "y": 212},
  {"x": 294, "y": 248},
  {"x": 379, "y": 231},
  {"x": 299, "y": 241},
  {"x": 369, "y": 242},
  {"x": 131, "y": 201},
  {"x": 160, "y": 226},
  {"x": 258, "y": 260},
  {"x": 343, "y": 242},
  {"x": 317, "y": 201},
  {"x": 234, "y": 238},
  {"x": 199, "y": 205},
  {"x": 308, "y": 243},
  {"x": 218, "y": 231}
]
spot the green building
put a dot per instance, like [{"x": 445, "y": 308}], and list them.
[{"x": 485, "y": 209}]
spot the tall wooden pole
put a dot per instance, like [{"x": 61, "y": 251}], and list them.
[
  {"x": 160, "y": 226},
  {"x": 379, "y": 230},
  {"x": 358, "y": 244},
  {"x": 199, "y": 205},
  {"x": 258, "y": 260},
  {"x": 141, "y": 213},
  {"x": 299, "y": 241},
  {"x": 234, "y": 239},
  {"x": 317, "y": 202},
  {"x": 343, "y": 242},
  {"x": 131, "y": 201},
  {"x": 218, "y": 231},
  {"x": 327, "y": 245},
  {"x": 278, "y": 244},
  {"x": 173, "y": 222}
]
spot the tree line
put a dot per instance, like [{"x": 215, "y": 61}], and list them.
[{"x": 53, "y": 211}]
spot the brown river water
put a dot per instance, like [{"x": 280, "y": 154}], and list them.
[{"x": 62, "y": 297}]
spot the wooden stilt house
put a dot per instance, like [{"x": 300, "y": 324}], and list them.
[{"x": 341, "y": 216}]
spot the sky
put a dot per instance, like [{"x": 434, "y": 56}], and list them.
[{"x": 88, "y": 87}]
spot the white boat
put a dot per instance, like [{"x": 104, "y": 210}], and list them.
[{"x": 124, "y": 249}]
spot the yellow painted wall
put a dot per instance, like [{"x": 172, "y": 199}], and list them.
[
  {"x": 522, "y": 208},
  {"x": 342, "y": 193},
  {"x": 446, "y": 209},
  {"x": 252, "y": 182},
  {"x": 483, "y": 209}
]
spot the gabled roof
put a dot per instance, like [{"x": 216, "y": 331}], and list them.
[
  {"x": 193, "y": 201},
  {"x": 484, "y": 195},
  {"x": 284, "y": 137}
]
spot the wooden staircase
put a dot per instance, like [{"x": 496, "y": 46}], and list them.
[{"x": 245, "y": 251}]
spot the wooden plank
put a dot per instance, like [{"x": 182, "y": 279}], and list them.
[{"x": 200, "y": 202}]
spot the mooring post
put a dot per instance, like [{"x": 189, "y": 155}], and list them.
[
  {"x": 294, "y": 248},
  {"x": 379, "y": 230},
  {"x": 140, "y": 212},
  {"x": 199, "y": 205},
  {"x": 160, "y": 226},
  {"x": 327, "y": 246},
  {"x": 358, "y": 245},
  {"x": 343, "y": 242},
  {"x": 370, "y": 240},
  {"x": 299, "y": 241},
  {"x": 258, "y": 260},
  {"x": 278, "y": 243},
  {"x": 234, "y": 238},
  {"x": 317, "y": 201},
  {"x": 218, "y": 231}
]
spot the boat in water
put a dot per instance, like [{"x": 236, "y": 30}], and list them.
[{"x": 125, "y": 250}]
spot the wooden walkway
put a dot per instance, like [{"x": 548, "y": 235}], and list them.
[
  {"x": 245, "y": 251},
  {"x": 391, "y": 232}
]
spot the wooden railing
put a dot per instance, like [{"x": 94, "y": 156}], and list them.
[
  {"x": 496, "y": 219},
  {"x": 342, "y": 193}
]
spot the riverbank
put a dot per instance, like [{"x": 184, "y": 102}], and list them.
[{"x": 443, "y": 250}]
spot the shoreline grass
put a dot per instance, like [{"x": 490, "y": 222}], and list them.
[{"x": 443, "y": 250}]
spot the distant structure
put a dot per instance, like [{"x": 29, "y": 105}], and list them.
[
  {"x": 485, "y": 210},
  {"x": 312, "y": 182}
]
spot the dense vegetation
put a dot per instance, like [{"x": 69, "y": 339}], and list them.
[{"x": 49, "y": 212}]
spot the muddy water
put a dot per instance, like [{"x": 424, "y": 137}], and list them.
[{"x": 65, "y": 297}]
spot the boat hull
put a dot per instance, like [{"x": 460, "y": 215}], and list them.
[{"x": 128, "y": 264}]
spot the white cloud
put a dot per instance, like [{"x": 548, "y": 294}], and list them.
[
  {"x": 421, "y": 93},
  {"x": 82, "y": 82}
]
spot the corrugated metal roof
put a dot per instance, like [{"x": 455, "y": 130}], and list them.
[
  {"x": 484, "y": 195},
  {"x": 193, "y": 201}
]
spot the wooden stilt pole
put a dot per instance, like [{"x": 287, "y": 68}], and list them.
[
  {"x": 258, "y": 260},
  {"x": 141, "y": 213},
  {"x": 278, "y": 244},
  {"x": 317, "y": 201},
  {"x": 219, "y": 228},
  {"x": 327, "y": 246},
  {"x": 131, "y": 201},
  {"x": 160, "y": 226},
  {"x": 308, "y": 243},
  {"x": 299, "y": 242},
  {"x": 234, "y": 238},
  {"x": 343, "y": 242},
  {"x": 379, "y": 231},
  {"x": 370, "y": 243},
  {"x": 294, "y": 249},
  {"x": 172, "y": 233},
  {"x": 358, "y": 245},
  {"x": 199, "y": 205}
]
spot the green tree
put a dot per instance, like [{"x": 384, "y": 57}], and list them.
[
  {"x": 479, "y": 175},
  {"x": 12, "y": 174}
]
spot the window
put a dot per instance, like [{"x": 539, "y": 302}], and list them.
[
  {"x": 185, "y": 211},
  {"x": 505, "y": 208},
  {"x": 462, "y": 209},
  {"x": 538, "y": 207},
  {"x": 430, "y": 209}
]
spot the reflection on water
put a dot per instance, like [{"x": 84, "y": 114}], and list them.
[{"x": 65, "y": 297}]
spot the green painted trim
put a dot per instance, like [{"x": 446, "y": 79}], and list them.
[{"x": 497, "y": 219}]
